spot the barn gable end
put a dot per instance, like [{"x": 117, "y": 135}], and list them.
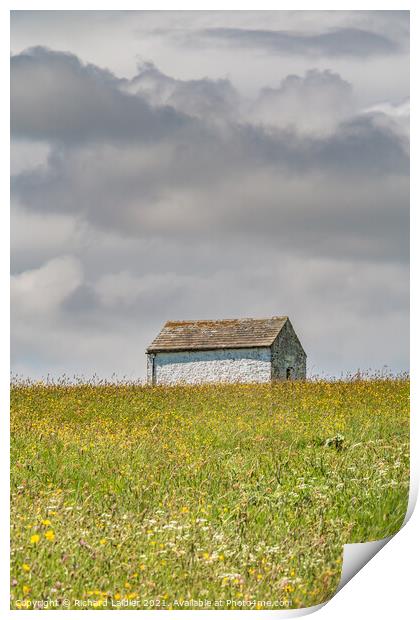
[{"x": 288, "y": 355}]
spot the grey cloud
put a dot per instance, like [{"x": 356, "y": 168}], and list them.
[
  {"x": 55, "y": 97},
  {"x": 152, "y": 197},
  {"x": 204, "y": 98},
  {"x": 92, "y": 107},
  {"x": 366, "y": 301},
  {"x": 335, "y": 42},
  {"x": 313, "y": 213},
  {"x": 247, "y": 184}
]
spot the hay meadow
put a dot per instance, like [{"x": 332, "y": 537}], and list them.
[{"x": 241, "y": 496}]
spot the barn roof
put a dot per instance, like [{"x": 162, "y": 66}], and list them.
[{"x": 223, "y": 334}]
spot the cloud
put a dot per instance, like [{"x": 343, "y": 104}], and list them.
[
  {"x": 35, "y": 238},
  {"x": 55, "y": 97},
  {"x": 110, "y": 332},
  {"x": 44, "y": 289},
  {"x": 204, "y": 98},
  {"x": 348, "y": 189},
  {"x": 333, "y": 42},
  {"x": 174, "y": 193},
  {"x": 393, "y": 116},
  {"x": 125, "y": 289},
  {"x": 314, "y": 103}
]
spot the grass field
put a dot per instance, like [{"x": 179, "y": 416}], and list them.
[{"x": 241, "y": 496}]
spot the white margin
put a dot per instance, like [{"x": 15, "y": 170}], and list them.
[{"x": 342, "y": 603}]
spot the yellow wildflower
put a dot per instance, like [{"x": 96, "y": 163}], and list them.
[
  {"x": 49, "y": 535},
  {"x": 34, "y": 538},
  {"x": 26, "y": 568}
]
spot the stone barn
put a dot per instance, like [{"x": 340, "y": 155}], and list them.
[{"x": 232, "y": 351}]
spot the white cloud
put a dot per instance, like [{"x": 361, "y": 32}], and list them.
[
  {"x": 395, "y": 116},
  {"x": 44, "y": 289},
  {"x": 39, "y": 237},
  {"x": 314, "y": 103}
]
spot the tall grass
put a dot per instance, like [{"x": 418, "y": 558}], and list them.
[{"x": 238, "y": 495}]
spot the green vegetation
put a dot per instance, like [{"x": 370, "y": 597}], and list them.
[{"x": 238, "y": 495}]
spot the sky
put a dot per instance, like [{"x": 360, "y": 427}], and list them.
[{"x": 204, "y": 165}]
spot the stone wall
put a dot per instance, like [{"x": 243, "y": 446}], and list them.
[
  {"x": 229, "y": 365},
  {"x": 288, "y": 353}
]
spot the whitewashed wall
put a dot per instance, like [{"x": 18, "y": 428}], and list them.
[{"x": 230, "y": 365}]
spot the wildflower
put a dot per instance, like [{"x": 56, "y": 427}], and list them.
[
  {"x": 26, "y": 568},
  {"x": 46, "y": 522},
  {"x": 184, "y": 509},
  {"x": 102, "y": 541},
  {"x": 26, "y": 589},
  {"x": 49, "y": 535},
  {"x": 117, "y": 596},
  {"x": 34, "y": 539}
]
